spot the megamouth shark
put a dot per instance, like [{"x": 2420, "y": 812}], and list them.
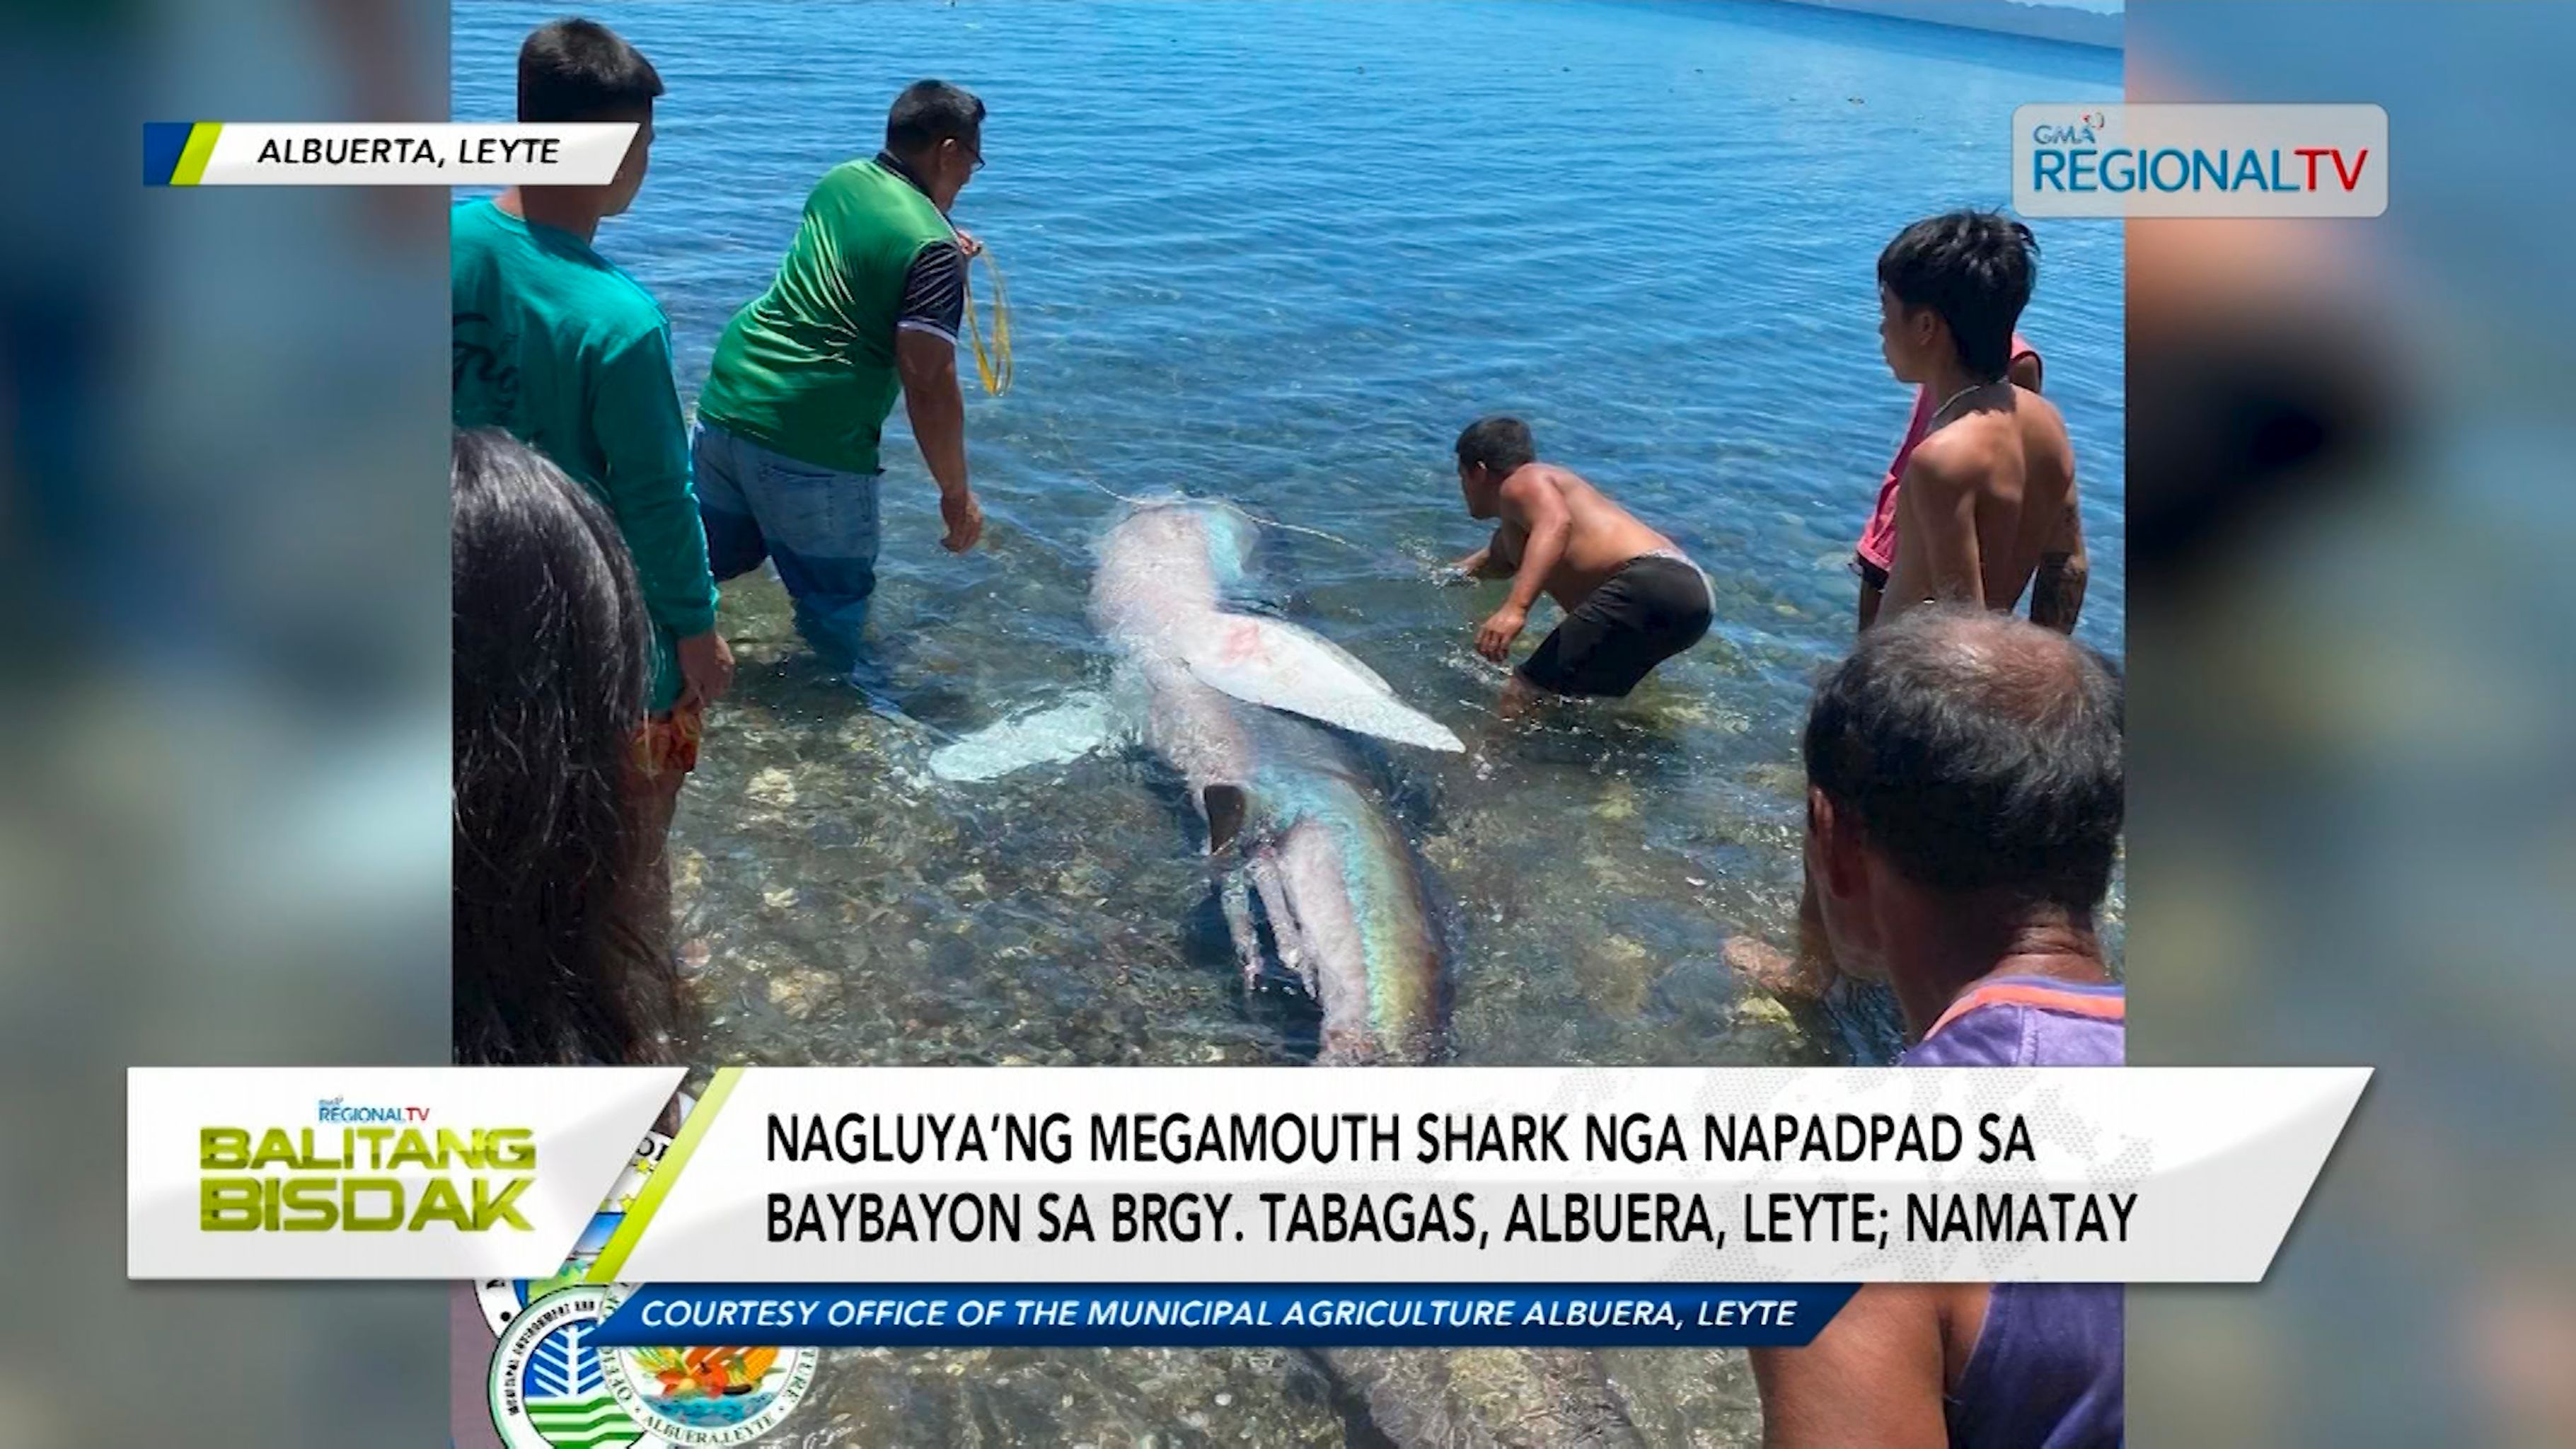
[{"x": 1248, "y": 710}]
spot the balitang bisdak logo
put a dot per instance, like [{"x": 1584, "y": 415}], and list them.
[
  {"x": 551, "y": 1388},
  {"x": 2200, "y": 161},
  {"x": 344, "y": 1175}
]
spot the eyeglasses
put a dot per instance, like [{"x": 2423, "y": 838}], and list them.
[{"x": 974, "y": 158}]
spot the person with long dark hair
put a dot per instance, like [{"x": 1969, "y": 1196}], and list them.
[{"x": 554, "y": 962}]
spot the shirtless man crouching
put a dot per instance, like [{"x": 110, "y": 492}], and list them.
[{"x": 1631, "y": 598}]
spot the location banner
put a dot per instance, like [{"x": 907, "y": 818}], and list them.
[
  {"x": 1483, "y": 1175},
  {"x": 368, "y": 153}
]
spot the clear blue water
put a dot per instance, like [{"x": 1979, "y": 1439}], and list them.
[{"x": 1280, "y": 254}]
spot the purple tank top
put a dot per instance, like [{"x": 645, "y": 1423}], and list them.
[{"x": 2046, "y": 1370}]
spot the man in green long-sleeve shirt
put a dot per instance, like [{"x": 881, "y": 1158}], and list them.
[{"x": 569, "y": 354}]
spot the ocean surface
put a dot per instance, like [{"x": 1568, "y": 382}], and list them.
[{"x": 1280, "y": 254}]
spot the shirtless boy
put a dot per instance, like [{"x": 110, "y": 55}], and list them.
[
  {"x": 1990, "y": 491},
  {"x": 1988, "y": 497},
  {"x": 1632, "y": 600}
]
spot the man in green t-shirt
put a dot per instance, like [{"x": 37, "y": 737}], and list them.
[
  {"x": 565, "y": 352},
  {"x": 866, "y": 304}
]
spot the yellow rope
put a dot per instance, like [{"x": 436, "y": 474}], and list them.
[{"x": 995, "y": 364}]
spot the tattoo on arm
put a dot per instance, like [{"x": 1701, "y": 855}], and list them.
[
  {"x": 2057, "y": 592},
  {"x": 2057, "y": 588}
]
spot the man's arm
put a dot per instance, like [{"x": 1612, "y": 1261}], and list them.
[
  {"x": 1480, "y": 564},
  {"x": 2057, "y": 589},
  {"x": 1874, "y": 1376},
  {"x": 636, "y": 419},
  {"x": 925, "y": 355},
  {"x": 2024, "y": 371},
  {"x": 938, "y": 414},
  {"x": 1534, "y": 504},
  {"x": 1936, "y": 532}
]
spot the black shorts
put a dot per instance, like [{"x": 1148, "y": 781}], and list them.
[
  {"x": 1653, "y": 608},
  {"x": 1870, "y": 574}
]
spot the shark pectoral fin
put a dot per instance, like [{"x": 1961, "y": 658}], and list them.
[
  {"x": 1287, "y": 932},
  {"x": 1223, "y": 806},
  {"x": 1308, "y": 640},
  {"x": 1274, "y": 663},
  {"x": 1066, "y": 731},
  {"x": 1234, "y": 894}
]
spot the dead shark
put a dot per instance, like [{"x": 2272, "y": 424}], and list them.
[{"x": 1248, "y": 710}]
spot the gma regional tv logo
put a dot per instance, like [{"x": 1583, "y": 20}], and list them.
[
  {"x": 365, "y": 1168},
  {"x": 2200, "y": 161}
]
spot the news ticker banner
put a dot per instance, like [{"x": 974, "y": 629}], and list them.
[
  {"x": 236, "y": 153},
  {"x": 1485, "y": 1177},
  {"x": 1251, "y": 1315},
  {"x": 2200, "y": 160}
]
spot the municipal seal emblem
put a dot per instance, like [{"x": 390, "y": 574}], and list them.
[
  {"x": 552, "y": 1388},
  {"x": 549, "y": 1385},
  {"x": 709, "y": 1395}
]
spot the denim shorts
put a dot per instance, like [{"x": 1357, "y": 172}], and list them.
[{"x": 818, "y": 525}]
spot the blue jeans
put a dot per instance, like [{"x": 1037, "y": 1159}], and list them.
[{"x": 819, "y": 525}]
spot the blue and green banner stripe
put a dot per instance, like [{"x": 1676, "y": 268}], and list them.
[
  {"x": 175, "y": 152},
  {"x": 639, "y": 1214}
]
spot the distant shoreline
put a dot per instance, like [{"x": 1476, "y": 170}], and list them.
[{"x": 2066, "y": 24}]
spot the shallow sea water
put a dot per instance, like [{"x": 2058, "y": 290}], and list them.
[{"x": 1279, "y": 254}]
